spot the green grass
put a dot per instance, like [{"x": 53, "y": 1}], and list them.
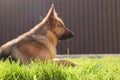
[{"x": 106, "y": 68}]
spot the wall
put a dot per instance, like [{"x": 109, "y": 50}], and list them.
[{"x": 96, "y": 23}]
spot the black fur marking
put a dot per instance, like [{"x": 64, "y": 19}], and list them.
[
  {"x": 66, "y": 36},
  {"x": 4, "y": 56}
]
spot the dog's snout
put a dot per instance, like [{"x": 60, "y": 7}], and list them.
[
  {"x": 70, "y": 34},
  {"x": 67, "y": 34}
]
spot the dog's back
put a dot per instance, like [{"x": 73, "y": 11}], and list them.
[{"x": 27, "y": 47}]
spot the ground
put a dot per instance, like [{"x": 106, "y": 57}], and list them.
[{"x": 91, "y": 68}]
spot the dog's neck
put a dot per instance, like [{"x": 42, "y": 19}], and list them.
[
  {"x": 41, "y": 29},
  {"x": 52, "y": 37}
]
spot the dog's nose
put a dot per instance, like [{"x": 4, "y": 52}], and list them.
[
  {"x": 72, "y": 34},
  {"x": 69, "y": 35},
  {"x": 66, "y": 36}
]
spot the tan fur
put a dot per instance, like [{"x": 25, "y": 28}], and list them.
[{"x": 40, "y": 42}]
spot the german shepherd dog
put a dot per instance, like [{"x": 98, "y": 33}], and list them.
[{"x": 40, "y": 42}]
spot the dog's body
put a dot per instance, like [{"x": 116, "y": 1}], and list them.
[{"x": 40, "y": 42}]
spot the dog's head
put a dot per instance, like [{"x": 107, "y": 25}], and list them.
[{"x": 57, "y": 26}]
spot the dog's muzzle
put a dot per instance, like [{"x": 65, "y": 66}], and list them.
[{"x": 66, "y": 36}]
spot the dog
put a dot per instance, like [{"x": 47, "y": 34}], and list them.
[{"x": 39, "y": 42}]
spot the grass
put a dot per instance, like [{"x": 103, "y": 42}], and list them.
[{"x": 106, "y": 68}]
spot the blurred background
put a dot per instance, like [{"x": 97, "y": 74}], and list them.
[{"x": 96, "y": 23}]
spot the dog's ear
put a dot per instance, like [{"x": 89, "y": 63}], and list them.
[{"x": 51, "y": 14}]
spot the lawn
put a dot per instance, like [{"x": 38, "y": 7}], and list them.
[{"x": 106, "y": 68}]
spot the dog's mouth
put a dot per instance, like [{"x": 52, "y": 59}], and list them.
[{"x": 66, "y": 36}]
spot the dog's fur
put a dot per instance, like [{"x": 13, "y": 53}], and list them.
[{"x": 40, "y": 42}]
